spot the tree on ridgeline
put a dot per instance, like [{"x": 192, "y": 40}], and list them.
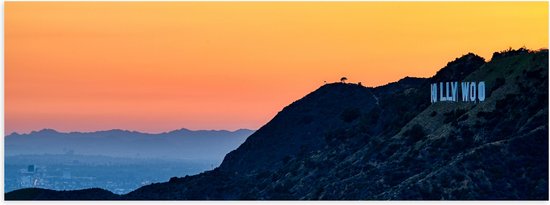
[{"x": 343, "y": 79}]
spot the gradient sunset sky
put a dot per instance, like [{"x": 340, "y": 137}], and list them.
[{"x": 154, "y": 67}]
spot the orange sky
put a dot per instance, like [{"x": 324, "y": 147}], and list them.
[{"x": 153, "y": 67}]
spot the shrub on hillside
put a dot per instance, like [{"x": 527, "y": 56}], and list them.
[
  {"x": 414, "y": 134},
  {"x": 350, "y": 114}
]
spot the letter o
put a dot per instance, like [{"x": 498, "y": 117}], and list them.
[
  {"x": 481, "y": 91},
  {"x": 473, "y": 91}
]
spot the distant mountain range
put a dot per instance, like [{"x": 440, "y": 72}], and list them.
[
  {"x": 346, "y": 141},
  {"x": 180, "y": 144}
]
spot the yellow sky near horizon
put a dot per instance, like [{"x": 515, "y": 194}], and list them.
[{"x": 159, "y": 66}]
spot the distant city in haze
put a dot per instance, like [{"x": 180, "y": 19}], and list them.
[{"x": 116, "y": 160}]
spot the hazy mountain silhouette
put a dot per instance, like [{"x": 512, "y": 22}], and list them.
[
  {"x": 346, "y": 141},
  {"x": 177, "y": 144}
]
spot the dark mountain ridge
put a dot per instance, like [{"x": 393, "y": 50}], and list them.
[
  {"x": 345, "y": 141},
  {"x": 177, "y": 144}
]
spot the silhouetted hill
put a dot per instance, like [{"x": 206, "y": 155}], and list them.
[
  {"x": 45, "y": 194},
  {"x": 177, "y": 144},
  {"x": 345, "y": 141},
  {"x": 459, "y": 68},
  {"x": 300, "y": 128}
]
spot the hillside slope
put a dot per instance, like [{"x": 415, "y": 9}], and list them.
[{"x": 345, "y": 141}]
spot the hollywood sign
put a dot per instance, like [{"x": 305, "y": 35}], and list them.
[{"x": 448, "y": 92}]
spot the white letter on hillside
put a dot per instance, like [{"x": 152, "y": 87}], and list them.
[
  {"x": 481, "y": 91},
  {"x": 454, "y": 88},
  {"x": 473, "y": 91},
  {"x": 434, "y": 92},
  {"x": 447, "y": 92},
  {"x": 441, "y": 96},
  {"x": 465, "y": 89}
]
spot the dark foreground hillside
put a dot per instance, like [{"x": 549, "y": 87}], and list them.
[{"x": 345, "y": 141}]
